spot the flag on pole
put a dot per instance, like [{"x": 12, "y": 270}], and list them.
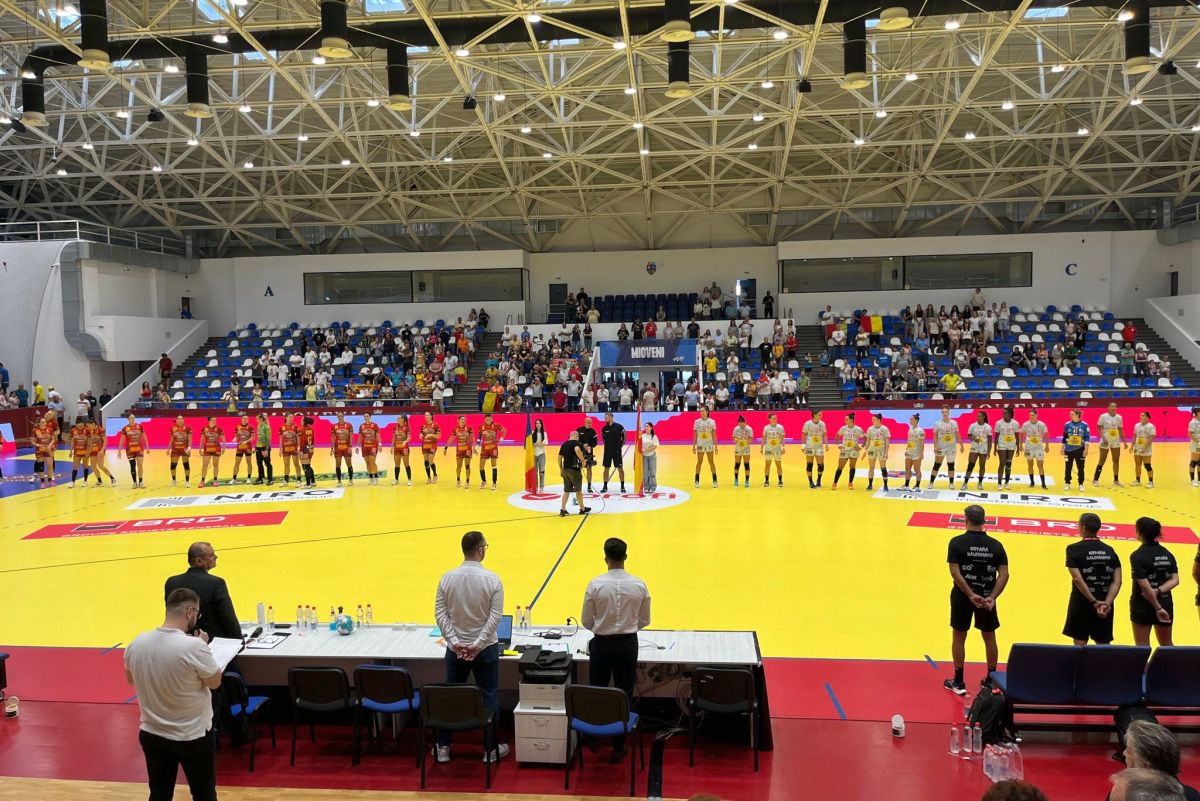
[
  {"x": 638, "y": 478},
  {"x": 531, "y": 476}
]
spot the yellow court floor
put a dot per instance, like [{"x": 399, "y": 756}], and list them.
[{"x": 826, "y": 574}]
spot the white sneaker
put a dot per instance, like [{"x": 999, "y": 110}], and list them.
[
  {"x": 71, "y": 485},
  {"x": 172, "y": 482},
  {"x": 1149, "y": 485},
  {"x": 441, "y": 753},
  {"x": 395, "y": 481},
  {"x": 1195, "y": 483},
  {"x": 497, "y": 755},
  {"x": 410, "y": 482},
  {"x": 186, "y": 483},
  {"x": 1137, "y": 482}
]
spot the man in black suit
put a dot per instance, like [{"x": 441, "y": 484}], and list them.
[{"x": 217, "y": 618}]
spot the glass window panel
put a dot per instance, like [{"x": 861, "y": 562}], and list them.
[
  {"x": 467, "y": 285},
  {"x": 393, "y": 286},
  {"x": 857, "y": 274},
  {"x": 968, "y": 270}
]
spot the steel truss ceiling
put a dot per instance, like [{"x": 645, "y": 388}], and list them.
[{"x": 569, "y": 158}]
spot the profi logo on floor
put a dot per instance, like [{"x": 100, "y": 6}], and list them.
[
  {"x": 1007, "y": 497},
  {"x": 550, "y": 499},
  {"x": 226, "y": 498}
]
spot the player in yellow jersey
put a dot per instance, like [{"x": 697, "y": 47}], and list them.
[{"x": 743, "y": 438}]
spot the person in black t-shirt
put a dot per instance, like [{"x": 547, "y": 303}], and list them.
[
  {"x": 979, "y": 567},
  {"x": 1196, "y": 577},
  {"x": 1095, "y": 581},
  {"x": 588, "y": 442},
  {"x": 1156, "y": 574},
  {"x": 570, "y": 460},
  {"x": 613, "y": 436}
]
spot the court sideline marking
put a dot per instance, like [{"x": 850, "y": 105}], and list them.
[{"x": 561, "y": 556}]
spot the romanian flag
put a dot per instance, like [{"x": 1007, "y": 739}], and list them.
[
  {"x": 639, "y": 480},
  {"x": 531, "y": 476}
]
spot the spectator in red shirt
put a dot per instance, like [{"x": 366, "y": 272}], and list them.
[
  {"x": 651, "y": 330},
  {"x": 560, "y": 398},
  {"x": 1129, "y": 334},
  {"x": 165, "y": 365},
  {"x": 482, "y": 387}
]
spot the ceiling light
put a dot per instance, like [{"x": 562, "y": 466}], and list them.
[
  {"x": 1137, "y": 65},
  {"x": 1124, "y": 15},
  {"x": 526, "y": 129},
  {"x": 969, "y": 135},
  {"x": 70, "y": 10},
  {"x": 1083, "y": 131},
  {"x": 447, "y": 159},
  {"x": 546, "y": 155},
  {"x": 240, "y": 2},
  {"x": 619, "y": 44},
  {"x": 7, "y": 120},
  {"x": 249, "y": 165},
  {"x": 193, "y": 142},
  {"x": 85, "y": 145},
  {"x": 953, "y": 25},
  {"x": 767, "y": 84},
  {"x": 60, "y": 171},
  {"x": 373, "y": 103},
  {"x": 645, "y": 151},
  {"x": 302, "y": 138},
  {"x": 858, "y": 140},
  {"x": 1007, "y": 105},
  {"x": 854, "y": 80},
  {"x": 730, "y": 2},
  {"x": 752, "y": 146},
  {"x": 533, "y": 19},
  {"x": 28, "y": 74},
  {"x": 123, "y": 114},
  {"x": 910, "y": 76},
  {"x": 500, "y": 97},
  {"x": 171, "y": 68},
  {"x": 629, "y": 90},
  {"x": 244, "y": 109},
  {"x": 880, "y": 113},
  {"x": 758, "y": 116},
  {"x": 638, "y": 125},
  {"x": 1057, "y": 68},
  {"x": 462, "y": 52},
  {"x": 895, "y": 18},
  {"x": 345, "y": 162},
  {"x": 157, "y": 168},
  {"x": 318, "y": 59},
  {"x": 414, "y": 132},
  {"x": 1135, "y": 101},
  {"x": 779, "y": 34},
  {"x": 1196, "y": 128},
  {"x": 220, "y": 38}
]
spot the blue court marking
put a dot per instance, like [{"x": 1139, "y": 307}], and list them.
[
  {"x": 836, "y": 704},
  {"x": 109, "y": 650},
  {"x": 561, "y": 556},
  {"x": 130, "y": 699},
  {"x": 932, "y": 664}
]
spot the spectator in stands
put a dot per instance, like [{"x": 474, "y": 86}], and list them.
[
  {"x": 1009, "y": 790},
  {"x": 693, "y": 329},
  {"x": 1150, "y": 745},
  {"x": 837, "y": 342},
  {"x": 639, "y": 331},
  {"x": 1041, "y": 357},
  {"x": 146, "y": 394},
  {"x": 825, "y": 316},
  {"x": 862, "y": 342},
  {"x": 977, "y": 301},
  {"x": 951, "y": 383},
  {"x": 4, "y": 377},
  {"x": 1127, "y": 358},
  {"x": 1057, "y": 353},
  {"x": 165, "y": 365},
  {"x": 1141, "y": 358},
  {"x": 1129, "y": 333},
  {"x": 1144, "y": 784},
  {"x": 593, "y": 315},
  {"x": 768, "y": 305},
  {"x": 622, "y": 333}
]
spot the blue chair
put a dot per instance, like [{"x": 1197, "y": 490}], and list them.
[
  {"x": 242, "y": 704},
  {"x": 1170, "y": 677},
  {"x": 381, "y": 690},
  {"x": 600, "y": 712},
  {"x": 1039, "y": 674},
  {"x": 1110, "y": 675}
]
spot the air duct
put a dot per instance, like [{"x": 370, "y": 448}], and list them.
[
  {"x": 679, "y": 70},
  {"x": 33, "y": 92},
  {"x": 895, "y": 18},
  {"x": 854, "y": 54},
  {"x": 93, "y": 35},
  {"x": 678, "y": 24},
  {"x": 397, "y": 78},
  {"x": 334, "y": 43},
  {"x": 1137, "y": 40},
  {"x": 197, "y": 84}
]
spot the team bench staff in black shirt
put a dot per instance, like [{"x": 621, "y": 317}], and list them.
[
  {"x": 979, "y": 567},
  {"x": 1155, "y": 574},
  {"x": 1095, "y": 572}
]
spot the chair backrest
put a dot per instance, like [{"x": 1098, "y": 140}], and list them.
[
  {"x": 319, "y": 689},
  {"x": 598, "y": 706},
  {"x": 1171, "y": 676},
  {"x": 234, "y": 689},
  {"x": 383, "y": 684},
  {"x": 1042, "y": 674},
  {"x": 453, "y": 707},
  {"x": 1111, "y": 675},
  {"x": 723, "y": 689}
]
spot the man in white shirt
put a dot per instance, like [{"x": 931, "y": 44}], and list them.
[
  {"x": 174, "y": 672},
  {"x": 469, "y": 603},
  {"x": 625, "y": 396},
  {"x": 616, "y": 606}
]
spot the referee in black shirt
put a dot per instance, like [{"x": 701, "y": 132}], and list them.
[
  {"x": 613, "y": 435},
  {"x": 570, "y": 460},
  {"x": 588, "y": 442},
  {"x": 979, "y": 567}
]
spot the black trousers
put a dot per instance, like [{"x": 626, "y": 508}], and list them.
[
  {"x": 614, "y": 659},
  {"x": 164, "y": 758},
  {"x": 1075, "y": 458},
  {"x": 263, "y": 456}
]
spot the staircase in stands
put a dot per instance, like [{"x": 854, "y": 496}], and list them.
[
  {"x": 1156, "y": 344},
  {"x": 825, "y": 392},
  {"x": 466, "y": 397}
]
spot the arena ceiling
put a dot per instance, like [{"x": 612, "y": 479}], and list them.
[{"x": 1023, "y": 118}]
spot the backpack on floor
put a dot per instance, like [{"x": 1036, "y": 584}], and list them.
[{"x": 991, "y": 711}]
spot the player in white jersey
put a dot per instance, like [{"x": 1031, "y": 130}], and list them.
[
  {"x": 1194, "y": 447},
  {"x": 1033, "y": 442},
  {"x": 850, "y": 440},
  {"x": 914, "y": 451},
  {"x": 878, "y": 437},
  {"x": 1007, "y": 431},
  {"x": 814, "y": 436},
  {"x": 743, "y": 439},
  {"x": 979, "y": 434},
  {"x": 1112, "y": 439},
  {"x": 1143, "y": 449},
  {"x": 704, "y": 442},
  {"x": 773, "y": 438},
  {"x": 947, "y": 443}
]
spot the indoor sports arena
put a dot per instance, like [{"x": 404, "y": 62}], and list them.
[{"x": 823, "y": 380}]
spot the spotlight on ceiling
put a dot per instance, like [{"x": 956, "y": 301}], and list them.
[
  {"x": 155, "y": 115},
  {"x": 469, "y": 103},
  {"x": 803, "y": 86},
  {"x": 463, "y": 52},
  {"x": 220, "y": 38},
  {"x": 533, "y": 19}
]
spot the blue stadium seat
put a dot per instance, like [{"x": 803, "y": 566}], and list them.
[
  {"x": 1039, "y": 674},
  {"x": 1110, "y": 675}
]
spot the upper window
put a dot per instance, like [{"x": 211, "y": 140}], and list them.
[{"x": 384, "y": 6}]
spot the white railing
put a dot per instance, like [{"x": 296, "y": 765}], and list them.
[
  {"x": 89, "y": 232},
  {"x": 184, "y": 347}
]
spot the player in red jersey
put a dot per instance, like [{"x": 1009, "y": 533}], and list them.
[
  {"x": 308, "y": 438},
  {"x": 463, "y": 437},
  {"x": 79, "y": 452},
  {"x": 289, "y": 448},
  {"x": 400, "y": 437},
  {"x": 181, "y": 448},
  {"x": 132, "y": 441},
  {"x": 490, "y": 435},
  {"x": 212, "y": 447},
  {"x": 431, "y": 432},
  {"x": 97, "y": 450},
  {"x": 341, "y": 441},
  {"x": 368, "y": 446},
  {"x": 243, "y": 435},
  {"x": 43, "y": 438}
]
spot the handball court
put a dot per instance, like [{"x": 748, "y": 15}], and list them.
[{"x": 847, "y": 591}]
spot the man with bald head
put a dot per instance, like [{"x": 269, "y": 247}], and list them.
[{"x": 217, "y": 618}]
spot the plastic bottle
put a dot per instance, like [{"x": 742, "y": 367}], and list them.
[
  {"x": 332, "y": 614},
  {"x": 966, "y": 741},
  {"x": 313, "y": 620},
  {"x": 300, "y": 617},
  {"x": 520, "y": 618},
  {"x": 955, "y": 742},
  {"x": 977, "y": 739},
  {"x": 270, "y": 620},
  {"x": 370, "y": 616},
  {"x": 358, "y": 617},
  {"x": 529, "y": 616}
]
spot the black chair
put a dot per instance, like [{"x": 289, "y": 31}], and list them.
[
  {"x": 3, "y": 674},
  {"x": 240, "y": 703},
  {"x": 317, "y": 690},
  {"x": 600, "y": 712},
  {"x": 722, "y": 691},
  {"x": 381, "y": 690},
  {"x": 456, "y": 707}
]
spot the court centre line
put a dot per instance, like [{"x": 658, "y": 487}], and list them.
[
  {"x": 110, "y": 650},
  {"x": 550, "y": 575},
  {"x": 932, "y": 664},
  {"x": 836, "y": 704}
]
